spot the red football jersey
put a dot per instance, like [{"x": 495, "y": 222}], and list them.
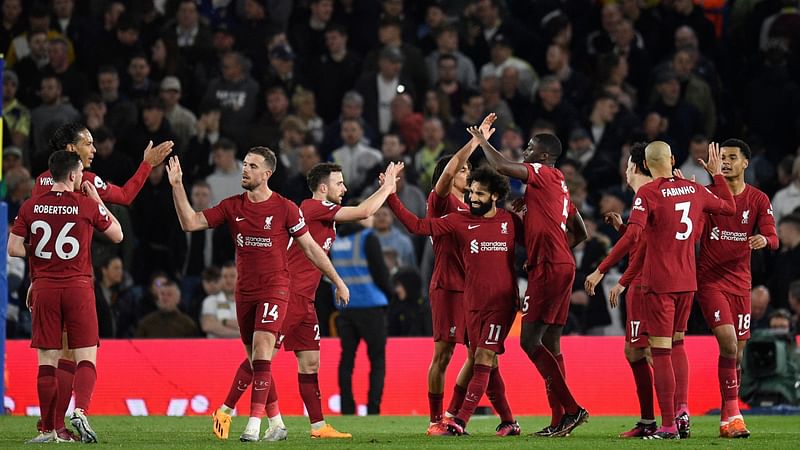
[
  {"x": 448, "y": 268},
  {"x": 319, "y": 219},
  {"x": 668, "y": 210},
  {"x": 261, "y": 233},
  {"x": 109, "y": 193},
  {"x": 487, "y": 250},
  {"x": 724, "y": 260},
  {"x": 59, "y": 226},
  {"x": 547, "y": 207}
]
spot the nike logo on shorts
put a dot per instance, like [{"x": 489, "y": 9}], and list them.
[
  {"x": 472, "y": 227},
  {"x": 239, "y": 219}
]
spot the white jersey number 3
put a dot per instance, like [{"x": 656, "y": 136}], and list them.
[
  {"x": 683, "y": 207},
  {"x": 62, "y": 241}
]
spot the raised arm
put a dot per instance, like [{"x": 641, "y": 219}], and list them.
[
  {"x": 422, "y": 227},
  {"x": 498, "y": 161},
  {"x": 372, "y": 203},
  {"x": 190, "y": 219},
  {"x": 445, "y": 181},
  {"x": 125, "y": 195},
  {"x": 317, "y": 256}
]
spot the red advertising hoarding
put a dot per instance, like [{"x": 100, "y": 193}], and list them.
[{"x": 192, "y": 377}]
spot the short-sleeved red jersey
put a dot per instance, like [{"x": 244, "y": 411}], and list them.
[
  {"x": 547, "y": 207},
  {"x": 724, "y": 260},
  {"x": 260, "y": 232},
  {"x": 58, "y": 227},
  {"x": 319, "y": 216},
  {"x": 448, "y": 269},
  {"x": 669, "y": 210},
  {"x": 487, "y": 250}
]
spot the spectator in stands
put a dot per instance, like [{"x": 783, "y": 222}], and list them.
[
  {"x": 503, "y": 56},
  {"x": 394, "y": 150},
  {"x": 352, "y": 108},
  {"x": 760, "y": 309},
  {"x": 31, "y": 67},
  {"x": 392, "y": 238},
  {"x": 305, "y": 107},
  {"x": 518, "y": 102},
  {"x": 182, "y": 120},
  {"x": 794, "y": 302},
  {"x": 629, "y": 45},
  {"x": 356, "y": 158},
  {"x": 294, "y": 135},
  {"x": 390, "y": 35},
  {"x": 472, "y": 108},
  {"x": 126, "y": 43},
  {"x": 692, "y": 169},
  {"x": 13, "y": 24},
  {"x": 406, "y": 314},
  {"x": 140, "y": 86},
  {"x": 153, "y": 127},
  {"x": 787, "y": 199},
  {"x": 781, "y": 321},
  {"x": 612, "y": 76},
  {"x": 38, "y": 21},
  {"x": 486, "y": 19},
  {"x": 73, "y": 82},
  {"x": 492, "y": 101},
  {"x": 226, "y": 179},
  {"x": 695, "y": 90},
  {"x": 17, "y": 117},
  {"x": 19, "y": 185},
  {"x": 51, "y": 114},
  {"x": 433, "y": 147},
  {"x": 108, "y": 163},
  {"x": 379, "y": 88},
  {"x": 683, "y": 119},
  {"x": 12, "y": 159},
  {"x": 108, "y": 278},
  {"x": 267, "y": 129},
  {"x": 552, "y": 106},
  {"x": 192, "y": 35},
  {"x": 165, "y": 60},
  {"x": 406, "y": 122},
  {"x": 342, "y": 68},
  {"x": 308, "y": 36},
  {"x": 167, "y": 322},
  {"x": 121, "y": 114},
  {"x": 234, "y": 94},
  {"x": 283, "y": 71},
  {"x": 685, "y": 12},
  {"x": 575, "y": 84},
  {"x": 448, "y": 85},
  {"x": 218, "y": 317},
  {"x": 447, "y": 44},
  {"x": 601, "y": 41},
  {"x": 295, "y": 188},
  {"x": 437, "y": 104},
  {"x": 786, "y": 265}
]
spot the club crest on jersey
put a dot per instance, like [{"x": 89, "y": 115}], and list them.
[
  {"x": 504, "y": 228},
  {"x": 268, "y": 223},
  {"x": 717, "y": 317},
  {"x": 745, "y": 216},
  {"x": 453, "y": 331},
  {"x": 327, "y": 244}
]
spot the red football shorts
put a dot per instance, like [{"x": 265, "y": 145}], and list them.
[
  {"x": 724, "y": 308},
  {"x": 488, "y": 329},
  {"x": 635, "y": 332},
  {"x": 667, "y": 313},
  {"x": 447, "y": 312},
  {"x": 59, "y": 309},
  {"x": 260, "y": 315},
  {"x": 300, "y": 330},
  {"x": 547, "y": 296}
]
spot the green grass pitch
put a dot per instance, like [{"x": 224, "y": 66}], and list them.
[{"x": 773, "y": 432}]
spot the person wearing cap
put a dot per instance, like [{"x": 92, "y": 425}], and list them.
[
  {"x": 12, "y": 158},
  {"x": 502, "y": 56},
  {"x": 283, "y": 72},
  {"x": 16, "y": 116},
  {"x": 379, "y": 88},
  {"x": 390, "y": 33},
  {"x": 182, "y": 120},
  {"x": 683, "y": 119}
]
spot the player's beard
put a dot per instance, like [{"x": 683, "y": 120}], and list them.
[
  {"x": 249, "y": 184},
  {"x": 480, "y": 210}
]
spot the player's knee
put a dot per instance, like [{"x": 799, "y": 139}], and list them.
[
  {"x": 484, "y": 357},
  {"x": 442, "y": 356},
  {"x": 728, "y": 348},
  {"x": 634, "y": 354}
]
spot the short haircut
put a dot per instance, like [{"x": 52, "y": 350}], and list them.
[
  {"x": 152, "y": 103},
  {"x": 740, "y": 144},
  {"x": 267, "y": 154},
  {"x": 438, "y": 170},
  {"x": 228, "y": 264},
  {"x": 549, "y": 143},
  {"x": 336, "y": 28},
  {"x": 494, "y": 182},
  {"x": 793, "y": 218},
  {"x": 103, "y": 133},
  {"x": 469, "y": 94},
  {"x": 64, "y": 135},
  {"x": 224, "y": 144},
  {"x": 357, "y": 120},
  {"x": 320, "y": 173},
  {"x": 447, "y": 57},
  {"x": 637, "y": 157},
  {"x": 201, "y": 184},
  {"x": 170, "y": 283},
  {"x": 211, "y": 273},
  {"x": 108, "y": 69},
  {"x": 353, "y": 97},
  {"x": 62, "y": 162}
]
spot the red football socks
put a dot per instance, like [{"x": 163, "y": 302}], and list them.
[
  {"x": 47, "y": 387},
  {"x": 242, "y": 379},
  {"x": 680, "y": 364},
  {"x": 496, "y": 391},
  {"x": 272, "y": 398},
  {"x": 309, "y": 392},
  {"x": 85, "y": 379},
  {"x": 261, "y": 382},
  {"x": 643, "y": 378},
  {"x": 65, "y": 374},
  {"x": 435, "y": 402},
  {"x": 457, "y": 400},
  {"x": 475, "y": 390},
  {"x": 547, "y": 366},
  {"x": 556, "y": 410},
  {"x": 664, "y": 378},
  {"x": 729, "y": 385}
]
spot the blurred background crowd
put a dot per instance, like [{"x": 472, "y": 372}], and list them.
[{"x": 364, "y": 82}]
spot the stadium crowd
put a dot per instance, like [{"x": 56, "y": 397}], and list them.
[{"x": 362, "y": 83}]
